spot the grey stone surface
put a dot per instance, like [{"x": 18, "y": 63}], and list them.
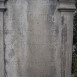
[
  {"x": 29, "y": 49},
  {"x": 2, "y": 0},
  {"x": 66, "y": 44},
  {"x": 37, "y": 38},
  {"x": 2, "y": 61},
  {"x": 1, "y": 46},
  {"x": 67, "y": 0}
]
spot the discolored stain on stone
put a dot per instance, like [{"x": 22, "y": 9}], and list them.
[
  {"x": 64, "y": 34},
  {"x": 62, "y": 20}
]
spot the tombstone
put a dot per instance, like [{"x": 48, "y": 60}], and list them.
[{"x": 36, "y": 38}]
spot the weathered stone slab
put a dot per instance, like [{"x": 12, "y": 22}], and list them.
[
  {"x": 29, "y": 49},
  {"x": 38, "y": 38}
]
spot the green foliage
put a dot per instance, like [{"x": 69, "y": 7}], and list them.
[
  {"x": 74, "y": 58},
  {"x": 75, "y": 32},
  {"x": 74, "y": 64}
]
